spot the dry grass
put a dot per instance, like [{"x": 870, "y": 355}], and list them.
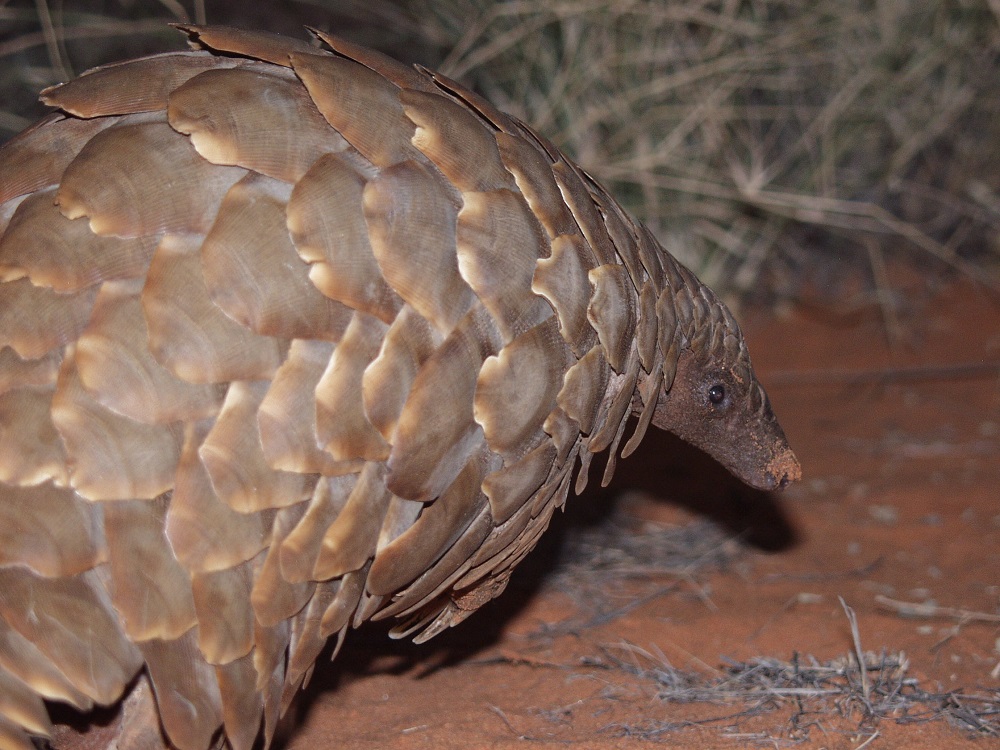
[
  {"x": 762, "y": 136},
  {"x": 763, "y": 700},
  {"x": 830, "y": 693},
  {"x": 769, "y": 144},
  {"x": 852, "y": 694}
]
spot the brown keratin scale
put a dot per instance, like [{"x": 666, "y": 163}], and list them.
[{"x": 292, "y": 338}]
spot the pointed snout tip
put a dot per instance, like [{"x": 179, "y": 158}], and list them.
[{"x": 781, "y": 471}]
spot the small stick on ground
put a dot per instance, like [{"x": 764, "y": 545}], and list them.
[
  {"x": 918, "y": 610},
  {"x": 858, "y": 653},
  {"x": 867, "y": 742},
  {"x": 503, "y": 717}
]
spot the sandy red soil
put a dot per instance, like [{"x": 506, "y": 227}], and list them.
[{"x": 900, "y": 444}]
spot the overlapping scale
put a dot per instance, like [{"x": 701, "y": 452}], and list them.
[
  {"x": 307, "y": 640},
  {"x": 404, "y": 76},
  {"x": 256, "y": 45},
  {"x": 646, "y": 326},
  {"x": 517, "y": 388},
  {"x": 255, "y": 116},
  {"x": 611, "y": 312},
  {"x": 188, "y": 333},
  {"x": 343, "y": 606},
  {"x": 609, "y": 434},
  {"x": 140, "y": 178},
  {"x": 30, "y": 449},
  {"x": 187, "y": 693},
  {"x": 299, "y": 551},
  {"x": 651, "y": 255},
  {"x": 386, "y": 382},
  {"x": 206, "y": 534},
  {"x": 111, "y": 457},
  {"x": 412, "y": 222},
  {"x": 427, "y": 590},
  {"x": 253, "y": 273},
  {"x": 437, "y": 432},
  {"x": 34, "y": 319},
  {"x": 270, "y": 646},
  {"x": 118, "y": 370},
  {"x": 350, "y": 540},
  {"x": 564, "y": 430},
  {"x": 274, "y": 598},
  {"x": 342, "y": 427},
  {"x": 53, "y": 251},
  {"x": 453, "y": 137},
  {"x": 583, "y": 387},
  {"x": 131, "y": 87},
  {"x": 499, "y": 241},
  {"x": 580, "y": 202},
  {"x": 13, "y": 736},
  {"x": 235, "y": 462},
  {"x": 150, "y": 589},
  {"x": 532, "y": 171},
  {"x": 37, "y": 158},
  {"x": 437, "y": 528},
  {"x": 623, "y": 235},
  {"x": 326, "y": 220},
  {"x": 509, "y": 488},
  {"x": 287, "y": 415},
  {"x": 22, "y": 658},
  {"x": 22, "y": 705},
  {"x": 225, "y": 617},
  {"x": 51, "y": 530},
  {"x": 15, "y": 371},
  {"x": 649, "y": 388},
  {"x": 7, "y": 211},
  {"x": 242, "y": 704},
  {"x": 359, "y": 104},
  {"x": 73, "y": 623},
  {"x": 562, "y": 279},
  {"x": 492, "y": 117}
]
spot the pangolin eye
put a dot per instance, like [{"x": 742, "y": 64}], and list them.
[{"x": 717, "y": 394}]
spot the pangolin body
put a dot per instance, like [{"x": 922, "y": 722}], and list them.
[{"x": 291, "y": 339}]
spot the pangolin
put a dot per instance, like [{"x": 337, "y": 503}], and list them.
[{"x": 293, "y": 338}]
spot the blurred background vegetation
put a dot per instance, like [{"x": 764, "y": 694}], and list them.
[{"x": 784, "y": 149}]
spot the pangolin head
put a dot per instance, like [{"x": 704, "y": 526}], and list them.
[{"x": 715, "y": 401}]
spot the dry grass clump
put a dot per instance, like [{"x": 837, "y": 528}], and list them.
[
  {"x": 746, "y": 133},
  {"x": 823, "y": 696},
  {"x": 762, "y": 700},
  {"x": 767, "y": 142}
]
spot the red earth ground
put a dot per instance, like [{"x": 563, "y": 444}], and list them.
[{"x": 899, "y": 440}]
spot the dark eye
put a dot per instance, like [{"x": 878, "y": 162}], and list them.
[{"x": 717, "y": 394}]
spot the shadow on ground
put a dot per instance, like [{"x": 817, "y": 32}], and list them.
[{"x": 663, "y": 467}]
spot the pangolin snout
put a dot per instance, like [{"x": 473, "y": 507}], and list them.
[{"x": 782, "y": 470}]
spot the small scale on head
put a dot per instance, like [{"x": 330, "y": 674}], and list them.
[{"x": 715, "y": 401}]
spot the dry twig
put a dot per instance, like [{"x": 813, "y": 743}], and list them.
[{"x": 927, "y": 611}]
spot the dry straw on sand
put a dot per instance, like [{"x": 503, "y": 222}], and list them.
[{"x": 853, "y": 694}]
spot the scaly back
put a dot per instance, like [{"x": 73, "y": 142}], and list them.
[{"x": 291, "y": 339}]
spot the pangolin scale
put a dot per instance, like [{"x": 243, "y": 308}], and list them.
[{"x": 292, "y": 338}]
